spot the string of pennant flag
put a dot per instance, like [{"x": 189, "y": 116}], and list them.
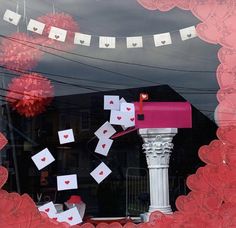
[{"x": 106, "y": 42}]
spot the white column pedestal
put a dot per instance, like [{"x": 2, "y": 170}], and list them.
[{"x": 158, "y": 145}]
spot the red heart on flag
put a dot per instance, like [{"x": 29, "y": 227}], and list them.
[
  {"x": 105, "y": 131},
  {"x": 43, "y": 159},
  {"x": 47, "y": 210},
  {"x": 119, "y": 117},
  {"x": 101, "y": 173},
  {"x": 66, "y": 136},
  {"x": 67, "y": 182},
  {"x": 103, "y": 145},
  {"x": 132, "y": 119},
  {"x": 70, "y": 218},
  {"x": 128, "y": 109},
  {"x": 111, "y": 102}
]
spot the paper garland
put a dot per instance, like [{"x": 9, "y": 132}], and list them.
[{"x": 105, "y": 42}]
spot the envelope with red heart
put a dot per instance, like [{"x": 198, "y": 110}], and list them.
[
  {"x": 66, "y": 136},
  {"x": 49, "y": 209},
  {"x": 70, "y": 216},
  {"x": 67, "y": 182},
  {"x": 103, "y": 146},
  {"x": 101, "y": 172},
  {"x": 122, "y": 118},
  {"x": 111, "y": 103},
  {"x": 127, "y": 107},
  {"x": 105, "y": 131},
  {"x": 43, "y": 159}
]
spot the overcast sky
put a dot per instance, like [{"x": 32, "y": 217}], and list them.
[{"x": 121, "y": 19}]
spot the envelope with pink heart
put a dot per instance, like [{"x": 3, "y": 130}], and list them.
[
  {"x": 67, "y": 182},
  {"x": 43, "y": 159},
  {"x": 66, "y": 136},
  {"x": 101, "y": 172}
]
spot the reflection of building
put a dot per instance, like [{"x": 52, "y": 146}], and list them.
[{"x": 84, "y": 114}]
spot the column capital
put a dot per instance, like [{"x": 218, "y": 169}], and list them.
[{"x": 157, "y": 145}]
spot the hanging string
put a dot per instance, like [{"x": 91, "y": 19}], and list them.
[
  {"x": 17, "y": 11},
  {"x": 24, "y": 9},
  {"x": 53, "y": 7}
]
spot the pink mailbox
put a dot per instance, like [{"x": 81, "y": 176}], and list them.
[
  {"x": 164, "y": 115},
  {"x": 161, "y": 115}
]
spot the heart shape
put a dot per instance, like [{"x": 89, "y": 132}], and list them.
[
  {"x": 103, "y": 145},
  {"x": 163, "y": 41},
  {"x": 134, "y": 44},
  {"x": 66, "y": 136},
  {"x": 132, "y": 119},
  {"x": 43, "y": 159},
  {"x": 57, "y": 37},
  {"x": 47, "y": 210},
  {"x": 101, "y": 173},
  {"x": 10, "y": 19},
  {"x": 105, "y": 131},
  {"x": 107, "y": 45},
  {"x": 119, "y": 117},
  {"x": 128, "y": 109},
  {"x": 70, "y": 218},
  {"x": 35, "y": 29},
  {"x": 111, "y": 102},
  {"x": 144, "y": 96},
  {"x": 67, "y": 182},
  {"x": 81, "y": 41}
]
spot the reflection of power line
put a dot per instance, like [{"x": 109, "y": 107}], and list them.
[{"x": 100, "y": 68}]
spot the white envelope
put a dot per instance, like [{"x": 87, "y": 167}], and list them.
[
  {"x": 11, "y": 17},
  {"x": 127, "y": 107},
  {"x": 48, "y": 208},
  {"x": 67, "y": 182},
  {"x": 43, "y": 159},
  {"x": 70, "y": 216},
  {"x": 162, "y": 39},
  {"x": 57, "y": 34},
  {"x": 134, "y": 42},
  {"x": 103, "y": 146},
  {"x": 66, "y": 136},
  {"x": 188, "y": 33},
  {"x": 82, "y": 39},
  {"x": 107, "y": 42},
  {"x": 111, "y": 102},
  {"x": 36, "y": 26},
  {"x": 105, "y": 131},
  {"x": 101, "y": 172}
]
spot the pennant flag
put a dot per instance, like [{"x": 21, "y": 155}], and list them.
[
  {"x": 3, "y": 141},
  {"x": 107, "y": 42},
  {"x": 57, "y": 34},
  {"x": 162, "y": 39},
  {"x": 11, "y": 17},
  {"x": 101, "y": 172},
  {"x": 36, "y": 26},
  {"x": 82, "y": 39},
  {"x": 188, "y": 33},
  {"x": 134, "y": 42}
]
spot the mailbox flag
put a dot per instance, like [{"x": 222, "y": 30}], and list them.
[{"x": 143, "y": 96}]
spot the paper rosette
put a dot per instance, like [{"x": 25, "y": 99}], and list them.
[
  {"x": 30, "y": 94},
  {"x": 62, "y": 21},
  {"x": 18, "y": 53}
]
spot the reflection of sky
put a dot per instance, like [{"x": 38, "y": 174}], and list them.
[{"x": 120, "y": 19}]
